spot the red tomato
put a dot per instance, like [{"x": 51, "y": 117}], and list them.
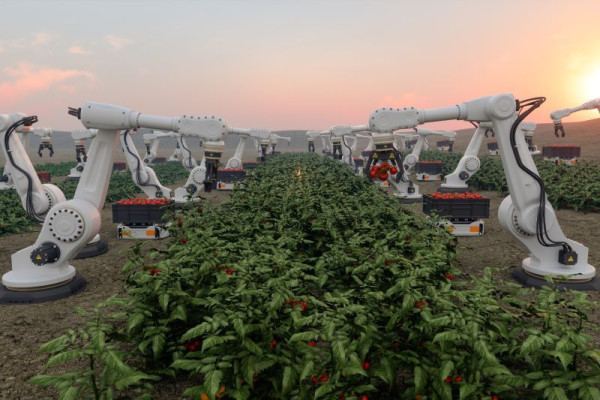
[
  {"x": 366, "y": 365},
  {"x": 373, "y": 174},
  {"x": 393, "y": 170},
  {"x": 383, "y": 176}
]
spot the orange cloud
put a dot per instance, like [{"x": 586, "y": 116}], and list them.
[{"x": 28, "y": 79}]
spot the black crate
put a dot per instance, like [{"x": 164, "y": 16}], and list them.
[
  {"x": 119, "y": 166},
  {"x": 492, "y": 146},
  {"x": 457, "y": 208},
  {"x": 159, "y": 160},
  {"x": 230, "y": 175},
  {"x": 366, "y": 154},
  {"x": 430, "y": 167},
  {"x": 561, "y": 151},
  {"x": 250, "y": 165},
  {"x": 442, "y": 143},
  {"x": 358, "y": 162},
  {"x": 138, "y": 214}
]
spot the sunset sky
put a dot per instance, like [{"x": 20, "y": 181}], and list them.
[{"x": 294, "y": 64}]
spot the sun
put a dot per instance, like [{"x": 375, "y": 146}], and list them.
[{"x": 591, "y": 85}]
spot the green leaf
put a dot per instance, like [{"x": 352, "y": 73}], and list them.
[
  {"x": 71, "y": 393},
  {"x": 163, "y": 300},
  {"x": 132, "y": 378},
  {"x": 420, "y": 379},
  {"x": 531, "y": 344},
  {"x": 289, "y": 378},
  {"x": 307, "y": 370},
  {"x": 339, "y": 352},
  {"x": 62, "y": 357},
  {"x": 187, "y": 365},
  {"x": 446, "y": 370},
  {"x": 196, "y": 331},
  {"x": 212, "y": 382},
  {"x": 134, "y": 320},
  {"x": 324, "y": 389},
  {"x": 555, "y": 393}
]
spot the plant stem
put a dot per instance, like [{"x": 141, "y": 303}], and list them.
[{"x": 93, "y": 377}]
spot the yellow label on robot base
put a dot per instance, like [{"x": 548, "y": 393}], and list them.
[
  {"x": 570, "y": 259},
  {"x": 38, "y": 257}
]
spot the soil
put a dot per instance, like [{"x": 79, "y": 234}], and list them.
[{"x": 23, "y": 328}]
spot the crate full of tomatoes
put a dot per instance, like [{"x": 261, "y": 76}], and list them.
[
  {"x": 44, "y": 176},
  {"x": 139, "y": 211},
  {"x": 383, "y": 171},
  {"x": 457, "y": 205}
]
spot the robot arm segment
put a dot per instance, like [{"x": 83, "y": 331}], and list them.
[{"x": 558, "y": 115}]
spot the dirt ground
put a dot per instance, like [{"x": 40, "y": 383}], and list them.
[{"x": 24, "y": 328}]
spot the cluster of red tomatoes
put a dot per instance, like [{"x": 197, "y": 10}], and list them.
[
  {"x": 137, "y": 201},
  {"x": 383, "y": 171},
  {"x": 455, "y": 195}
]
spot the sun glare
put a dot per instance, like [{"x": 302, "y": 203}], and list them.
[{"x": 591, "y": 85}]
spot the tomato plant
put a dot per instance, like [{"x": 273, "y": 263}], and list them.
[{"x": 313, "y": 307}]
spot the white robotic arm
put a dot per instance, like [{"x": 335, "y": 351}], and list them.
[
  {"x": 79, "y": 137},
  {"x": 413, "y": 158},
  {"x": 36, "y": 198},
  {"x": 245, "y": 134},
  {"x": 152, "y": 141},
  {"x": 188, "y": 161},
  {"x": 143, "y": 176},
  {"x": 46, "y": 135},
  {"x": 274, "y": 139},
  {"x": 525, "y": 213},
  {"x": 469, "y": 163},
  {"x": 558, "y": 115},
  {"x": 69, "y": 225}
]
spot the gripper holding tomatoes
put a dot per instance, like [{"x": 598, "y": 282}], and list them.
[
  {"x": 69, "y": 225},
  {"x": 525, "y": 213},
  {"x": 558, "y": 115}
]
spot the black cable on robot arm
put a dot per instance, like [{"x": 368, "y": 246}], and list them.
[
  {"x": 188, "y": 150},
  {"x": 29, "y": 196},
  {"x": 541, "y": 229},
  {"x": 138, "y": 167}
]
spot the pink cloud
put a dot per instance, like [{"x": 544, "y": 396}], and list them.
[
  {"x": 28, "y": 79},
  {"x": 117, "y": 42},
  {"x": 79, "y": 51}
]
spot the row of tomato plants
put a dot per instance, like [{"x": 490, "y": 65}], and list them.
[
  {"x": 14, "y": 219},
  {"x": 311, "y": 283},
  {"x": 575, "y": 187}
]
